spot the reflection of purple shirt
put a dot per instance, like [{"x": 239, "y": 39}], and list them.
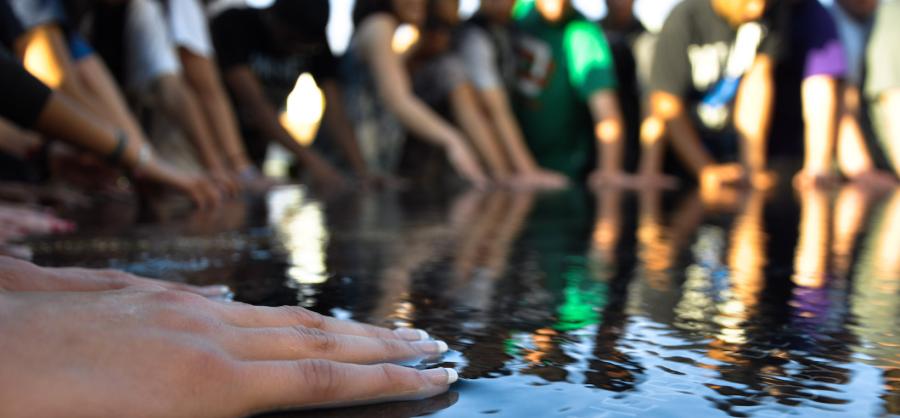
[{"x": 818, "y": 37}]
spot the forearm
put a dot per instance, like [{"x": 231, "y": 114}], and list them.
[
  {"x": 472, "y": 121},
  {"x": 891, "y": 103},
  {"x": 341, "y": 129},
  {"x": 608, "y": 130},
  {"x": 265, "y": 120},
  {"x": 204, "y": 80},
  {"x": 687, "y": 145},
  {"x": 753, "y": 115},
  {"x": 179, "y": 103},
  {"x": 507, "y": 127},
  {"x": 820, "y": 111},
  {"x": 99, "y": 82},
  {"x": 653, "y": 147}
]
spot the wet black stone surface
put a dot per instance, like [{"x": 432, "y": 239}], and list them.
[{"x": 566, "y": 304}]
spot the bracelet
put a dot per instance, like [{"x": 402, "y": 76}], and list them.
[
  {"x": 115, "y": 158},
  {"x": 145, "y": 156}
]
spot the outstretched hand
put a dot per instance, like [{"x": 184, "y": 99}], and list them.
[{"x": 152, "y": 352}]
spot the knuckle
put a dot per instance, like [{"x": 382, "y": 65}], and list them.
[
  {"x": 322, "y": 378},
  {"x": 314, "y": 339},
  {"x": 304, "y": 317},
  {"x": 400, "y": 379}
]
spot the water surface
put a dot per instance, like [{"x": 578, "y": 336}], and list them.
[{"x": 567, "y": 304}]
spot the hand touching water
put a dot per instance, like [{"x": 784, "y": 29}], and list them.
[{"x": 150, "y": 352}]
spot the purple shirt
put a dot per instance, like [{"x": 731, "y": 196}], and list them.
[{"x": 818, "y": 38}]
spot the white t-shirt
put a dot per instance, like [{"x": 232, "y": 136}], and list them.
[
  {"x": 189, "y": 28},
  {"x": 152, "y": 38},
  {"x": 150, "y": 51}
]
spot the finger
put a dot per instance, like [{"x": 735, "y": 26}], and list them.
[
  {"x": 248, "y": 316},
  {"x": 300, "y": 343},
  {"x": 321, "y": 383}
]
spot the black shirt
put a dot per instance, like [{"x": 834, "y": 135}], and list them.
[
  {"x": 693, "y": 51},
  {"x": 24, "y": 97},
  {"x": 10, "y": 27},
  {"x": 241, "y": 38}
]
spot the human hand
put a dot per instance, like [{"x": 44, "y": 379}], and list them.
[
  {"x": 254, "y": 181},
  {"x": 600, "y": 179},
  {"x": 875, "y": 180},
  {"x": 21, "y": 276},
  {"x": 541, "y": 179},
  {"x": 465, "y": 163},
  {"x": 656, "y": 181},
  {"x": 20, "y": 222},
  {"x": 717, "y": 176},
  {"x": 227, "y": 184},
  {"x": 806, "y": 180},
  {"x": 325, "y": 177},
  {"x": 154, "y": 353}
]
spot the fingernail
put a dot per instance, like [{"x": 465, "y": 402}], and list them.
[
  {"x": 411, "y": 334},
  {"x": 431, "y": 347},
  {"x": 442, "y": 376}
]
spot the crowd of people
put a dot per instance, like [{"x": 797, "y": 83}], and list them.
[{"x": 157, "y": 96}]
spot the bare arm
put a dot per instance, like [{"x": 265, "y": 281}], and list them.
[
  {"x": 891, "y": 102},
  {"x": 393, "y": 84},
  {"x": 470, "y": 118},
  {"x": 63, "y": 118},
  {"x": 753, "y": 114},
  {"x": 341, "y": 129},
  {"x": 496, "y": 103},
  {"x": 264, "y": 117},
  {"x": 684, "y": 137},
  {"x": 820, "y": 112},
  {"x": 609, "y": 130},
  {"x": 203, "y": 78},
  {"x": 179, "y": 102}
]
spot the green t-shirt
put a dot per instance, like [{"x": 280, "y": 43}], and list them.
[{"x": 560, "y": 67}]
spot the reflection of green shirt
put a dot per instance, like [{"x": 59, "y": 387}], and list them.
[{"x": 561, "y": 66}]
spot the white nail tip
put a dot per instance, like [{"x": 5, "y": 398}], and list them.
[
  {"x": 442, "y": 347},
  {"x": 423, "y": 335},
  {"x": 452, "y": 376}
]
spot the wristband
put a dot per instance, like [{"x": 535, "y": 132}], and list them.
[{"x": 115, "y": 157}]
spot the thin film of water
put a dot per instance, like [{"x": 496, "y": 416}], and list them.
[{"x": 571, "y": 304}]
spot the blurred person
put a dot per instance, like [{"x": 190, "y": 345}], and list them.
[
  {"x": 60, "y": 57},
  {"x": 854, "y": 20},
  {"x": 627, "y": 37},
  {"x": 32, "y": 105},
  {"x": 882, "y": 88},
  {"x": 567, "y": 98},
  {"x": 107, "y": 339},
  {"x": 812, "y": 83},
  {"x": 190, "y": 32},
  {"x": 380, "y": 90},
  {"x": 485, "y": 45},
  {"x": 135, "y": 41},
  {"x": 439, "y": 79},
  {"x": 711, "y": 93},
  {"x": 261, "y": 53}
]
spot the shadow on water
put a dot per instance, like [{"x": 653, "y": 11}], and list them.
[{"x": 568, "y": 304}]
